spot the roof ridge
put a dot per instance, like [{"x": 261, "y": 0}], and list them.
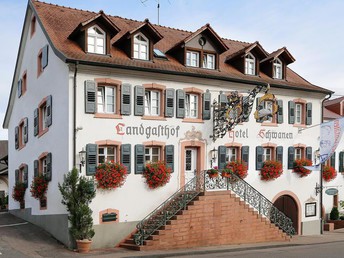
[{"x": 67, "y": 7}]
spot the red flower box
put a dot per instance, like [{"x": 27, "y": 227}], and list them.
[
  {"x": 156, "y": 174},
  {"x": 329, "y": 173},
  {"x": 110, "y": 175},
  {"x": 271, "y": 170},
  {"x": 238, "y": 168},
  {"x": 299, "y": 167},
  {"x": 19, "y": 192},
  {"x": 39, "y": 187}
]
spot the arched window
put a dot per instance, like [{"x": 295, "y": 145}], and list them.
[
  {"x": 96, "y": 40},
  {"x": 141, "y": 47},
  {"x": 277, "y": 69},
  {"x": 250, "y": 64}
]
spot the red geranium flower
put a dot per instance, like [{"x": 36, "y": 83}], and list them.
[
  {"x": 110, "y": 175},
  {"x": 299, "y": 167},
  {"x": 329, "y": 173},
  {"x": 271, "y": 170},
  {"x": 39, "y": 187},
  {"x": 156, "y": 174}
]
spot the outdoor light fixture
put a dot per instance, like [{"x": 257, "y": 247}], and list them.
[
  {"x": 82, "y": 157},
  {"x": 213, "y": 156}
]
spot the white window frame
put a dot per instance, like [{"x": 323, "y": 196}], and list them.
[
  {"x": 152, "y": 102},
  {"x": 97, "y": 38},
  {"x": 191, "y": 105},
  {"x": 151, "y": 157},
  {"x": 192, "y": 58},
  {"x": 105, "y": 153},
  {"x": 298, "y": 153},
  {"x": 44, "y": 166},
  {"x": 209, "y": 61},
  {"x": 141, "y": 47},
  {"x": 250, "y": 64},
  {"x": 298, "y": 113},
  {"x": 277, "y": 69},
  {"x": 231, "y": 154},
  {"x": 103, "y": 95},
  {"x": 44, "y": 116},
  {"x": 267, "y": 154}
]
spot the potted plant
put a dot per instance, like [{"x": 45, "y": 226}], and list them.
[
  {"x": 77, "y": 194},
  {"x": 19, "y": 193},
  {"x": 110, "y": 175},
  {"x": 237, "y": 167},
  {"x": 334, "y": 215},
  {"x": 329, "y": 173},
  {"x": 299, "y": 167},
  {"x": 156, "y": 174},
  {"x": 271, "y": 170},
  {"x": 213, "y": 172},
  {"x": 39, "y": 187}
]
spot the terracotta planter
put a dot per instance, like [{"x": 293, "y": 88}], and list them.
[
  {"x": 84, "y": 245},
  {"x": 211, "y": 175},
  {"x": 224, "y": 174}
]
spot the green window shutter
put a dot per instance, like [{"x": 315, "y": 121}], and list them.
[
  {"x": 245, "y": 109},
  {"x": 16, "y": 174},
  {"x": 90, "y": 97},
  {"x": 25, "y": 128},
  {"x": 169, "y": 102},
  {"x": 169, "y": 156},
  {"x": 333, "y": 160},
  {"x": 139, "y": 158},
  {"x": 45, "y": 52},
  {"x": 291, "y": 157},
  {"x": 309, "y": 113},
  {"x": 139, "y": 107},
  {"x": 245, "y": 151},
  {"x": 279, "y": 154},
  {"x": 223, "y": 98},
  {"x": 259, "y": 107},
  {"x": 20, "y": 83},
  {"x": 280, "y": 111},
  {"x": 341, "y": 161},
  {"x": 125, "y": 99},
  {"x": 180, "y": 113},
  {"x": 309, "y": 153},
  {"x": 126, "y": 156},
  {"x": 35, "y": 122},
  {"x": 206, "y": 105},
  {"x": 222, "y": 157},
  {"x": 48, "y": 175},
  {"x": 91, "y": 158},
  {"x": 291, "y": 114},
  {"x": 25, "y": 176},
  {"x": 259, "y": 157},
  {"x": 16, "y": 137},
  {"x": 35, "y": 168},
  {"x": 49, "y": 106}
]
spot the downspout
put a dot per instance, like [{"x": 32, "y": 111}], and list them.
[
  {"x": 74, "y": 113},
  {"x": 321, "y": 169}
]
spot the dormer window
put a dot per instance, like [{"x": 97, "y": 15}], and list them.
[
  {"x": 141, "y": 47},
  {"x": 96, "y": 40},
  {"x": 250, "y": 64},
  {"x": 277, "y": 69},
  {"x": 192, "y": 58},
  {"x": 209, "y": 61}
]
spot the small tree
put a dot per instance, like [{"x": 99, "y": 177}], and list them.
[
  {"x": 77, "y": 193},
  {"x": 334, "y": 215}
]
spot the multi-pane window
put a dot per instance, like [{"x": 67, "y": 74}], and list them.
[
  {"x": 269, "y": 106},
  {"x": 152, "y": 154},
  {"x": 141, "y": 46},
  {"x": 298, "y": 153},
  {"x": 44, "y": 166},
  {"x": 192, "y": 58},
  {"x": 277, "y": 69},
  {"x": 44, "y": 112},
  {"x": 106, "y": 154},
  {"x": 267, "y": 154},
  {"x": 191, "y": 103},
  {"x": 231, "y": 154},
  {"x": 106, "y": 97},
  {"x": 96, "y": 40},
  {"x": 152, "y": 103},
  {"x": 250, "y": 67},
  {"x": 298, "y": 113},
  {"x": 209, "y": 61}
]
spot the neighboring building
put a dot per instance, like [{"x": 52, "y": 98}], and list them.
[
  {"x": 3, "y": 169},
  {"x": 134, "y": 92}
]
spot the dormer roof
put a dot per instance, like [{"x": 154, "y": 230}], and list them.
[
  {"x": 99, "y": 18},
  {"x": 287, "y": 57},
  {"x": 252, "y": 47}
]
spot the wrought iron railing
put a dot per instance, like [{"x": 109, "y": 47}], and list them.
[
  {"x": 168, "y": 209},
  {"x": 250, "y": 196}
]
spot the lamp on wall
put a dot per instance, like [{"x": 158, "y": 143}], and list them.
[
  {"x": 82, "y": 157},
  {"x": 213, "y": 153}
]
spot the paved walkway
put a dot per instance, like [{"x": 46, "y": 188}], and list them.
[{"x": 19, "y": 238}]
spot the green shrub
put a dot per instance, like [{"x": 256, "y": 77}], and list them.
[
  {"x": 341, "y": 217},
  {"x": 334, "y": 215}
]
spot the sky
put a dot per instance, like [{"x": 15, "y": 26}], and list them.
[{"x": 312, "y": 30}]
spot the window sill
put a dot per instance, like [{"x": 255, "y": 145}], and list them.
[
  {"x": 153, "y": 118},
  {"x": 192, "y": 120},
  {"x": 104, "y": 115},
  {"x": 299, "y": 125},
  {"x": 42, "y": 132},
  {"x": 21, "y": 147},
  {"x": 270, "y": 124}
]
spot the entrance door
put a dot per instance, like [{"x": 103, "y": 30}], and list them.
[
  {"x": 288, "y": 206},
  {"x": 190, "y": 163}
]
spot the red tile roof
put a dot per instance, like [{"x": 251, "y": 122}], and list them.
[
  {"x": 59, "y": 22},
  {"x": 328, "y": 114}
]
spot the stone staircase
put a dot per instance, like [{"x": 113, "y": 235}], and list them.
[{"x": 212, "y": 218}]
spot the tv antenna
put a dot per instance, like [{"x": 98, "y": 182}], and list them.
[{"x": 158, "y": 7}]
